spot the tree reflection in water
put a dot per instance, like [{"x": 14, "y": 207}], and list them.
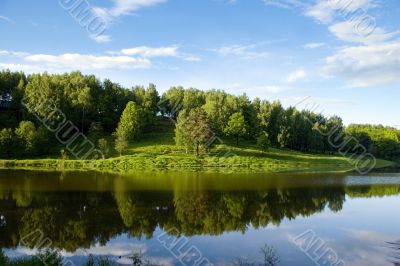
[{"x": 80, "y": 216}]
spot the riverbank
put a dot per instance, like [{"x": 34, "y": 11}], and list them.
[
  {"x": 166, "y": 157},
  {"x": 157, "y": 152}
]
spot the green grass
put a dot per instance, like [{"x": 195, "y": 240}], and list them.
[{"x": 157, "y": 151}]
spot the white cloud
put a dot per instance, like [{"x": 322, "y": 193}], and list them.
[
  {"x": 242, "y": 51},
  {"x": 6, "y": 19},
  {"x": 325, "y": 11},
  {"x": 288, "y": 4},
  {"x": 314, "y": 45},
  {"x": 145, "y": 51},
  {"x": 348, "y": 32},
  {"x": 25, "y": 68},
  {"x": 296, "y": 76},
  {"x": 101, "y": 38},
  {"x": 83, "y": 62},
  {"x": 123, "y": 7},
  {"x": 131, "y": 58},
  {"x": 192, "y": 58},
  {"x": 366, "y": 65}
]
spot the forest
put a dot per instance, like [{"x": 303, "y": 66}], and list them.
[{"x": 112, "y": 117}]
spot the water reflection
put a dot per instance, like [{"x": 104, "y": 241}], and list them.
[{"x": 80, "y": 210}]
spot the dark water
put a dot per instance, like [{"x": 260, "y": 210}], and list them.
[{"x": 191, "y": 218}]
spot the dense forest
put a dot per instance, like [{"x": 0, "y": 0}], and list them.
[{"x": 112, "y": 116}]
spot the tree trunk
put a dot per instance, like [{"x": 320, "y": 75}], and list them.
[
  {"x": 83, "y": 117},
  {"x": 197, "y": 149}
]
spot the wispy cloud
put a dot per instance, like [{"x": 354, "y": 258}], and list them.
[
  {"x": 145, "y": 51},
  {"x": 164, "y": 51},
  {"x": 297, "y": 75},
  {"x": 123, "y": 8},
  {"x": 130, "y": 58},
  {"x": 87, "y": 61},
  {"x": 101, "y": 38},
  {"x": 7, "y": 19},
  {"x": 243, "y": 51},
  {"x": 314, "y": 45},
  {"x": 288, "y": 4}
]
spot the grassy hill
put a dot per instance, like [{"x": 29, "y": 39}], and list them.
[{"x": 157, "y": 151}]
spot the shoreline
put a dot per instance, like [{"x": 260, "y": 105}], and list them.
[{"x": 235, "y": 164}]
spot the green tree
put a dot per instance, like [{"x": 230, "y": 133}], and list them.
[
  {"x": 236, "y": 127},
  {"x": 172, "y": 101},
  {"x": 263, "y": 142},
  {"x": 26, "y": 132},
  {"x": 103, "y": 147},
  {"x": 270, "y": 119},
  {"x": 131, "y": 122},
  {"x": 121, "y": 142},
  {"x": 193, "y": 131},
  {"x": 95, "y": 131},
  {"x": 219, "y": 107},
  {"x": 44, "y": 97},
  {"x": 6, "y": 142}
]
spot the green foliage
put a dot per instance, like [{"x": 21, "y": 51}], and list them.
[
  {"x": 219, "y": 107},
  {"x": 172, "y": 101},
  {"x": 383, "y": 142},
  {"x": 131, "y": 122},
  {"x": 95, "y": 131},
  {"x": 6, "y": 142},
  {"x": 121, "y": 142},
  {"x": 193, "y": 130},
  {"x": 236, "y": 127},
  {"x": 26, "y": 133},
  {"x": 104, "y": 147},
  {"x": 48, "y": 100},
  {"x": 263, "y": 142}
]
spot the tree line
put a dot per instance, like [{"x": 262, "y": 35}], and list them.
[{"x": 103, "y": 108}]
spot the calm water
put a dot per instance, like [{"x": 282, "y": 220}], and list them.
[{"x": 331, "y": 219}]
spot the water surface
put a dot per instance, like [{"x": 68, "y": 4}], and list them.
[{"x": 218, "y": 218}]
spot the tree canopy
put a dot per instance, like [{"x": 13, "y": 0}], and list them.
[{"x": 30, "y": 105}]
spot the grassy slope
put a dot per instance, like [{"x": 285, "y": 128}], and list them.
[{"x": 158, "y": 151}]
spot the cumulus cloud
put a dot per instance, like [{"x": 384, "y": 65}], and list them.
[
  {"x": 372, "y": 58},
  {"x": 347, "y": 31},
  {"x": 366, "y": 65}
]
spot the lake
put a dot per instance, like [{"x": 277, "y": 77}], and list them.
[{"x": 203, "y": 218}]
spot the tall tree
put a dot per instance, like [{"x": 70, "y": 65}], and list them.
[
  {"x": 131, "y": 122},
  {"x": 193, "y": 131},
  {"x": 26, "y": 132},
  {"x": 237, "y": 127}
]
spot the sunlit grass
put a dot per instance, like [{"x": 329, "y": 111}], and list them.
[{"x": 157, "y": 151}]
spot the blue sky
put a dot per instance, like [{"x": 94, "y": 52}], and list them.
[{"x": 345, "y": 54}]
